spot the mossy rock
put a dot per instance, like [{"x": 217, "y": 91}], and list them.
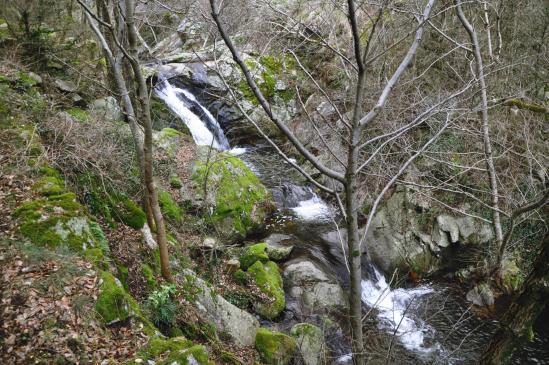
[
  {"x": 239, "y": 201},
  {"x": 58, "y": 220},
  {"x": 128, "y": 212},
  {"x": 268, "y": 279},
  {"x": 177, "y": 350},
  {"x": 49, "y": 185},
  {"x": 274, "y": 348},
  {"x": 168, "y": 140},
  {"x": 113, "y": 303},
  {"x": 169, "y": 207},
  {"x": 257, "y": 252},
  {"x": 310, "y": 341}
]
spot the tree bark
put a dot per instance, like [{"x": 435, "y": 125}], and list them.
[
  {"x": 516, "y": 324},
  {"x": 143, "y": 97},
  {"x": 488, "y": 155}
]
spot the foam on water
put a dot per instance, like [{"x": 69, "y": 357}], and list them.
[
  {"x": 392, "y": 306},
  {"x": 237, "y": 151},
  {"x": 314, "y": 209},
  {"x": 174, "y": 98}
]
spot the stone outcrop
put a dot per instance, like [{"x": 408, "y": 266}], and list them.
[{"x": 238, "y": 324}]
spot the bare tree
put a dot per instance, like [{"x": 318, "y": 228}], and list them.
[
  {"x": 355, "y": 161},
  {"x": 137, "y": 108}
]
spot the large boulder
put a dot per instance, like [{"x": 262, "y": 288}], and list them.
[
  {"x": 274, "y": 348},
  {"x": 234, "y": 195},
  {"x": 311, "y": 290},
  {"x": 239, "y": 325},
  {"x": 310, "y": 342}
]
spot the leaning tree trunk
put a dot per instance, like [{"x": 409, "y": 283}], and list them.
[{"x": 516, "y": 324}]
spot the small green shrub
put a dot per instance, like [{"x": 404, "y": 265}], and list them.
[{"x": 161, "y": 308}]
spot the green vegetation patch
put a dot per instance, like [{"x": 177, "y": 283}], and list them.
[
  {"x": 57, "y": 219},
  {"x": 169, "y": 207},
  {"x": 257, "y": 252},
  {"x": 176, "y": 350},
  {"x": 268, "y": 279},
  {"x": 79, "y": 114},
  {"x": 240, "y": 200},
  {"x": 275, "y": 348},
  {"x": 113, "y": 303}
]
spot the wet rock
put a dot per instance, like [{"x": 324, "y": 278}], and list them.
[
  {"x": 106, "y": 108},
  {"x": 310, "y": 342},
  {"x": 65, "y": 85},
  {"x": 238, "y": 324},
  {"x": 311, "y": 290},
  {"x": 481, "y": 295},
  {"x": 275, "y": 348}
]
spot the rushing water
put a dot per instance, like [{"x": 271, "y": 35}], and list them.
[{"x": 431, "y": 323}]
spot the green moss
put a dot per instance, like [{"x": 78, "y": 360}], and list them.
[
  {"x": 241, "y": 201},
  {"x": 275, "y": 348},
  {"x": 128, "y": 212},
  {"x": 268, "y": 279},
  {"x": 97, "y": 258},
  {"x": 25, "y": 80},
  {"x": 175, "y": 182},
  {"x": 168, "y": 140},
  {"x": 148, "y": 274},
  {"x": 178, "y": 349},
  {"x": 49, "y": 185},
  {"x": 49, "y": 171},
  {"x": 240, "y": 277},
  {"x": 123, "y": 274},
  {"x": 57, "y": 220},
  {"x": 257, "y": 252},
  {"x": 304, "y": 329},
  {"x": 113, "y": 302},
  {"x": 79, "y": 114},
  {"x": 169, "y": 207}
]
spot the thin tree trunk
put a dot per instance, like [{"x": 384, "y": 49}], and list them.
[
  {"x": 516, "y": 324},
  {"x": 145, "y": 109},
  {"x": 488, "y": 155}
]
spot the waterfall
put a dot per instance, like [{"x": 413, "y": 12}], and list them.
[
  {"x": 394, "y": 307},
  {"x": 201, "y": 123}
]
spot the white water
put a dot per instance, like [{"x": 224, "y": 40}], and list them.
[
  {"x": 174, "y": 99},
  {"x": 314, "y": 209},
  {"x": 392, "y": 306}
]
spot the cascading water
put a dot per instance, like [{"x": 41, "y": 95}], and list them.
[
  {"x": 399, "y": 311},
  {"x": 392, "y": 306},
  {"x": 201, "y": 123}
]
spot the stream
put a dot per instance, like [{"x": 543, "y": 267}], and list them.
[{"x": 430, "y": 323}]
